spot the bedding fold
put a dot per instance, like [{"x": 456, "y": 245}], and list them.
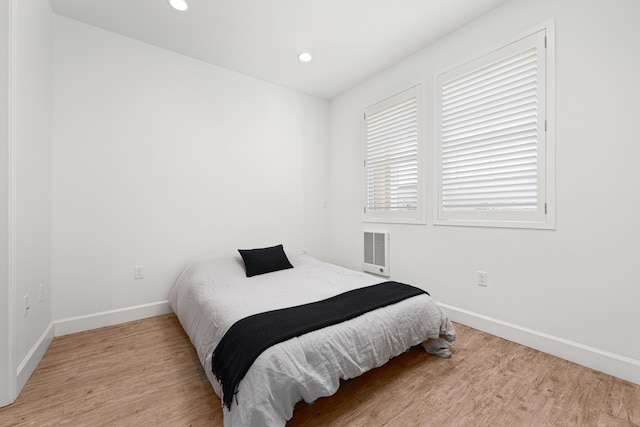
[{"x": 249, "y": 337}]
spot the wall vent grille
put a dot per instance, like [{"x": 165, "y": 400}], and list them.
[{"x": 376, "y": 253}]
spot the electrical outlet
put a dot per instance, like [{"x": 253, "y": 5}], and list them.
[
  {"x": 40, "y": 292},
  {"x": 138, "y": 272},
  {"x": 26, "y": 304},
  {"x": 483, "y": 278}
]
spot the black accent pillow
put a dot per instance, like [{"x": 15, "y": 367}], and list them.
[{"x": 264, "y": 260}]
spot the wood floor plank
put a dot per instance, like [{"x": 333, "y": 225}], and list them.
[{"x": 146, "y": 373}]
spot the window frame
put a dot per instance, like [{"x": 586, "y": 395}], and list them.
[
  {"x": 544, "y": 216},
  {"x": 415, "y": 216}
]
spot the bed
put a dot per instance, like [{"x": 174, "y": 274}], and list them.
[{"x": 214, "y": 292}]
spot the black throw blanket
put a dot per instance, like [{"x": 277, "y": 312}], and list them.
[{"x": 249, "y": 337}]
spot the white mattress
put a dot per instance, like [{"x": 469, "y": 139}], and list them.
[{"x": 213, "y": 292}]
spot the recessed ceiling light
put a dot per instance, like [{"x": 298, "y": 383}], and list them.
[
  {"x": 305, "y": 57},
  {"x": 180, "y": 5}
]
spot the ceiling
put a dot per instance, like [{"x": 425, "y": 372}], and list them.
[{"x": 350, "y": 40}]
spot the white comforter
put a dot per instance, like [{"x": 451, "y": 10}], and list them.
[{"x": 213, "y": 292}]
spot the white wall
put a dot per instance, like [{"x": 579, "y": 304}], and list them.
[
  {"x": 25, "y": 191},
  {"x": 574, "y": 289},
  {"x": 159, "y": 158},
  {"x": 33, "y": 173}
]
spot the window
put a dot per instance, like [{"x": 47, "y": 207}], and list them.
[
  {"x": 494, "y": 153},
  {"x": 393, "y": 159}
]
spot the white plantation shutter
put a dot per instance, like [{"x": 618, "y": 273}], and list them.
[
  {"x": 491, "y": 141},
  {"x": 392, "y": 158}
]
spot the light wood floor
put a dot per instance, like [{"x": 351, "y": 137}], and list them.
[{"x": 146, "y": 373}]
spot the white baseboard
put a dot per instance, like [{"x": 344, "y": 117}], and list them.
[
  {"x": 87, "y": 322},
  {"x": 31, "y": 360},
  {"x": 619, "y": 366}
]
